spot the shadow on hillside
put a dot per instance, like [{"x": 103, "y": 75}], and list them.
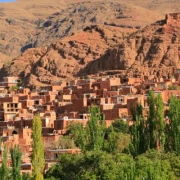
[{"x": 96, "y": 66}]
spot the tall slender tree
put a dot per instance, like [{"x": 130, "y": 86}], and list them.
[
  {"x": 38, "y": 149},
  {"x": 155, "y": 123},
  {"x": 95, "y": 129},
  {"x": 160, "y": 122},
  {"x": 4, "y": 168},
  {"x": 78, "y": 134},
  {"x": 137, "y": 131},
  {"x": 174, "y": 123},
  {"x": 151, "y": 124},
  {"x": 16, "y": 162}
]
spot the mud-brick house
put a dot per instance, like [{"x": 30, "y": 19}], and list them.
[
  {"x": 115, "y": 113},
  {"x": 9, "y": 107},
  {"x": 60, "y": 125},
  {"x": 3, "y": 90},
  {"x": 76, "y": 105},
  {"x": 109, "y": 83},
  {"x": 9, "y": 81},
  {"x": 111, "y": 93},
  {"x": 14, "y": 136},
  {"x": 128, "y": 89},
  {"x": 52, "y": 88},
  {"x": 167, "y": 94},
  {"x": 48, "y": 119}
]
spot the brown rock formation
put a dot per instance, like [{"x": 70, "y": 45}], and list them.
[
  {"x": 66, "y": 57},
  {"x": 25, "y": 24},
  {"x": 154, "y": 47},
  {"x": 103, "y": 50}
]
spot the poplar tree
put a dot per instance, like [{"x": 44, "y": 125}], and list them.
[
  {"x": 16, "y": 162},
  {"x": 95, "y": 129},
  {"x": 78, "y": 134},
  {"x": 174, "y": 123},
  {"x": 4, "y": 168},
  {"x": 156, "y": 124},
  {"x": 160, "y": 123},
  {"x": 137, "y": 131},
  {"x": 38, "y": 149},
  {"x": 151, "y": 124}
]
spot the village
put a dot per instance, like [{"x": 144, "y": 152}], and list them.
[{"x": 62, "y": 103}]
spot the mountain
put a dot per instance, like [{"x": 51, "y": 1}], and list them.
[
  {"x": 80, "y": 15},
  {"x": 64, "y": 58},
  {"x": 18, "y": 22},
  {"x": 54, "y": 40},
  {"x": 26, "y": 24},
  {"x": 103, "y": 50},
  {"x": 153, "y": 49}
]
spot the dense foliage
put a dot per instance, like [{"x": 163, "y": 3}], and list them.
[
  {"x": 147, "y": 150},
  {"x": 13, "y": 173}
]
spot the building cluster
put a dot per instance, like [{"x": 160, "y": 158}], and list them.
[{"x": 65, "y": 102}]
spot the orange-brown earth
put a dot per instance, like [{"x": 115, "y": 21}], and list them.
[
  {"x": 25, "y": 24},
  {"x": 65, "y": 58},
  {"x": 104, "y": 50},
  {"x": 47, "y": 41}
]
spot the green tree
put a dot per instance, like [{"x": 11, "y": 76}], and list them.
[
  {"x": 93, "y": 165},
  {"x": 116, "y": 142},
  {"x": 92, "y": 136},
  {"x": 38, "y": 149},
  {"x": 120, "y": 126},
  {"x": 4, "y": 171},
  {"x": 26, "y": 176},
  {"x": 160, "y": 122},
  {"x": 151, "y": 121},
  {"x": 138, "y": 143},
  {"x": 78, "y": 134},
  {"x": 16, "y": 162},
  {"x": 95, "y": 130},
  {"x": 155, "y": 123},
  {"x": 174, "y": 125}
]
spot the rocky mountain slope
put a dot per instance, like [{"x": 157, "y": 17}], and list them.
[
  {"x": 65, "y": 58},
  {"x": 18, "y": 22},
  {"x": 118, "y": 37},
  {"x": 152, "y": 49},
  {"x": 25, "y": 24},
  {"x": 102, "y": 50},
  {"x": 77, "y": 16}
]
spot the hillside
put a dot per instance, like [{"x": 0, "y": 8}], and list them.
[
  {"x": 79, "y": 15},
  {"x": 26, "y": 24},
  {"x": 153, "y": 49},
  {"x": 18, "y": 22},
  {"x": 103, "y": 50},
  {"x": 65, "y": 58},
  {"x": 46, "y": 38}
]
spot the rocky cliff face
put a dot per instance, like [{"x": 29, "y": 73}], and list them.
[
  {"x": 153, "y": 49},
  {"x": 116, "y": 39},
  {"x": 26, "y": 24},
  {"x": 155, "y": 46},
  {"x": 65, "y": 58},
  {"x": 80, "y": 15},
  {"x": 18, "y": 22}
]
